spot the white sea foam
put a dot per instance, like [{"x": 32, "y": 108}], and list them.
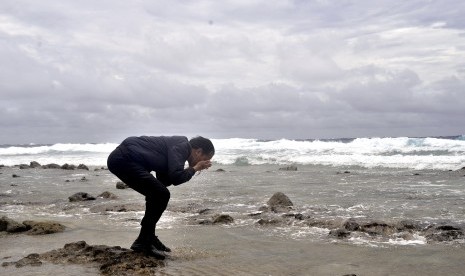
[{"x": 402, "y": 152}]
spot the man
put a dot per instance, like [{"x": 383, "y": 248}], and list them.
[{"x": 134, "y": 160}]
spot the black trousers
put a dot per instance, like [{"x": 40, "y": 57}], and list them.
[{"x": 135, "y": 176}]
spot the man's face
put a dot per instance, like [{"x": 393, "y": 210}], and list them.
[{"x": 198, "y": 155}]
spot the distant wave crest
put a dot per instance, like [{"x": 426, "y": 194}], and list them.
[{"x": 399, "y": 152}]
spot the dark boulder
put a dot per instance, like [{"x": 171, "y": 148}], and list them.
[
  {"x": 81, "y": 196},
  {"x": 107, "y": 195},
  {"x": 82, "y": 167},
  {"x": 444, "y": 233},
  {"x": 279, "y": 200},
  {"x": 34, "y": 164},
  {"x": 351, "y": 225},
  {"x": 30, "y": 227},
  {"x": 68, "y": 167},
  {"x": 408, "y": 225},
  {"x": 121, "y": 185},
  {"x": 11, "y": 226},
  {"x": 269, "y": 221},
  {"x": 222, "y": 219},
  {"x": 29, "y": 260},
  {"x": 339, "y": 233},
  {"x": 43, "y": 227},
  {"x": 377, "y": 228},
  {"x": 51, "y": 166}
]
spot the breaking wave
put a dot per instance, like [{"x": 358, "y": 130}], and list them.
[{"x": 401, "y": 152}]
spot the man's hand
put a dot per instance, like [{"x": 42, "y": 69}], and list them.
[{"x": 202, "y": 165}]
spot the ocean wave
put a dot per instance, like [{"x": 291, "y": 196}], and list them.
[{"x": 400, "y": 152}]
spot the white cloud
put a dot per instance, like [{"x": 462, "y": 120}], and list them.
[{"x": 72, "y": 70}]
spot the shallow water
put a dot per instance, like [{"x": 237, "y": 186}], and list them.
[{"x": 243, "y": 247}]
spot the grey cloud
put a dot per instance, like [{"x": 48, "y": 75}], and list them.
[{"x": 97, "y": 71}]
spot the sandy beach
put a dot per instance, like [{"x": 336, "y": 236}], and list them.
[{"x": 297, "y": 241}]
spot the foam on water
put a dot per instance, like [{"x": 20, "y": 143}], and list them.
[{"x": 401, "y": 152}]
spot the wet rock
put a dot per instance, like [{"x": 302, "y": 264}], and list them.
[
  {"x": 11, "y": 226},
  {"x": 15, "y": 175},
  {"x": 107, "y": 195},
  {"x": 43, "y": 227},
  {"x": 82, "y": 167},
  {"x": 24, "y": 166},
  {"x": 443, "y": 233},
  {"x": 30, "y": 227},
  {"x": 81, "y": 196},
  {"x": 34, "y": 165},
  {"x": 325, "y": 223},
  {"x": 117, "y": 208},
  {"x": 267, "y": 221},
  {"x": 121, "y": 185},
  {"x": 344, "y": 172},
  {"x": 299, "y": 217},
  {"x": 29, "y": 260},
  {"x": 111, "y": 260},
  {"x": 220, "y": 170},
  {"x": 408, "y": 225},
  {"x": 339, "y": 233},
  {"x": 222, "y": 219},
  {"x": 51, "y": 166},
  {"x": 351, "y": 225},
  {"x": 279, "y": 200},
  {"x": 67, "y": 166},
  {"x": 377, "y": 228},
  {"x": 205, "y": 211},
  {"x": 289, "y": 168},
  {"x": 278, "y": 203}
]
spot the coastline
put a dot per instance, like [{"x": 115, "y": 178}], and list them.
[
  {"x": 243, "y": 247},
  {"x": 218, "y": 251}
]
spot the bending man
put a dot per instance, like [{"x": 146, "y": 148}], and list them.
[{"x": 134, "y": 160}]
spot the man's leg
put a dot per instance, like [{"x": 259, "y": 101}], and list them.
[{"x": 156, "y": 196}]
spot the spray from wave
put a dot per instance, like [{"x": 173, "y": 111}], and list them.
[{"x": 402, "y": 152}]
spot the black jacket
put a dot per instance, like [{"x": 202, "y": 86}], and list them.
[{"x": 164, "y": 155}]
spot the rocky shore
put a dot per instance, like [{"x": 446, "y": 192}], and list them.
[
  {"x": 278, "y": 211},
  {"x": 110, "y": 260}
]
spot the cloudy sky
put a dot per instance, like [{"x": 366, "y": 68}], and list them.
[{"x": 98, "y": 71}]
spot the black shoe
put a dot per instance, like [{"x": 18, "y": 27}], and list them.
[
  {"x": 159, "y": 245},
  {"x": 147, "y": 249}
]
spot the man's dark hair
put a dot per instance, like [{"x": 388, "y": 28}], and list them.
[{"x": 204, "y": 144}]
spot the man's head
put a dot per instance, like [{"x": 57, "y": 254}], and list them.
[{"x": 202, "y": 150}]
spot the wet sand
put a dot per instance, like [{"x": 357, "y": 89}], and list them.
[
  {"x": 237, "y": 249},
  {"x": 215, "y": 250}
]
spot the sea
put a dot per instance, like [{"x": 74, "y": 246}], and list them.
[
  {"x": 380, "y": 179},
  {"x": 441, "y": 153}
]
